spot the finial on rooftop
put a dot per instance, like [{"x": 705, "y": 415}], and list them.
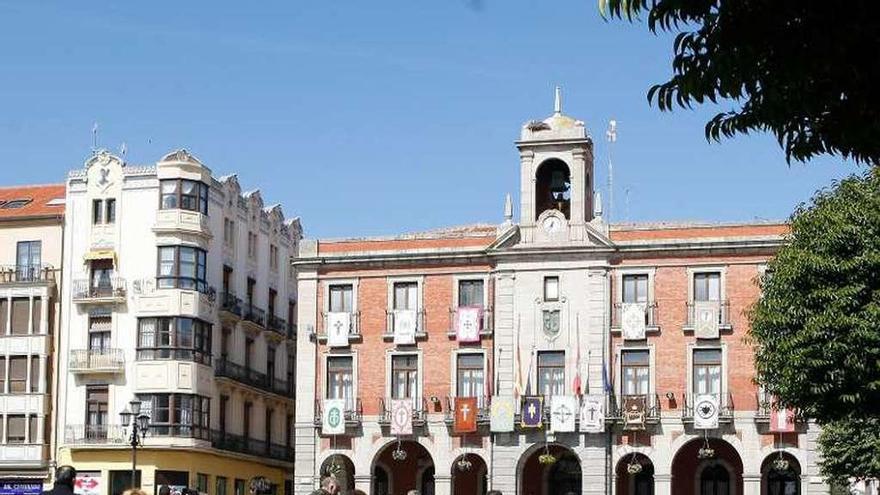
[
  {"x": 508, "y": 209},
  {"x": 557, "y": 105},
  {"x": 597, "y": 205}
]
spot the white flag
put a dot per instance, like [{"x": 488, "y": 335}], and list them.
[
  {"x": 706, "y": 412},
  {"x": 333, "y": 417},
  {"x": 338, "y": 328},
  {"x": 404, "y": 327},
  {"x": 593, "y": 414},
  {"x": 563, "y": 411}
]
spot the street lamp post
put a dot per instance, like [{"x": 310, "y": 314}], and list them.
[{"x": 138, "y": 425}]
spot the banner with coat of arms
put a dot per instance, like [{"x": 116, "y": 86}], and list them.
[
  {"x": 333, "y": 417},
  {"x": 706, "y": 412},
  {"x": 401, "y": 416},
  {"x": 405, "y": 327},
  {"x": 633, "y": 320},
  {"x": 338, "y": 327},
  {"x": 634, "y": 411},
  {"x": 706, "y": 316},
  {"x": 563, "y": 411},
  {"x": 532, "y": 415},
  {"x": 465, "y": 420},
  {"x": 782, "y": 420},
  {"x": 501, "y": 420},
  {"x": 593, "y": 414},
  {"x": 468, "y": 320}
]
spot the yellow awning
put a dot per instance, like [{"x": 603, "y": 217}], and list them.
[{"x": 101, "y": 254}]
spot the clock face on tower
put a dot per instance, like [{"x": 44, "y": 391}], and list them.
[{"x": 551, "y": 224}]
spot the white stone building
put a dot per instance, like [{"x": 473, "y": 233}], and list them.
[{"x": 179, "y": 293}]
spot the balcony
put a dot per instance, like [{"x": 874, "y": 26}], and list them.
[
  {"x": 484, "y": 410},
  {"x": 27, "y": 274},
  {"x": 725, "y": 408},
  {"x": 486, "y": 322},
  {"x": 110, "y": 290},
  {"x": 277, "y": 325},
  {"x": 255, "y": 315},
  {"x": 97, "y": 361},
  {"x": 647, "y": 404},
  {"x": 392, "y": 323},
  {"x": 724, "y": 323},
  {"x": 244, "y": 445},
  {"x": 652, "y": 323},
  {"x": 420, "y": 410},
  {"x": 231, "y": 304},
  {"x": 95, "y": 435},
  {"x": 227, "y": 369},
  {"x": 354, "y": 331},
  {"x": 354, "y": 412}
]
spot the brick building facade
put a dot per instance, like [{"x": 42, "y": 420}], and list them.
[{"x": 647, "y": 321}]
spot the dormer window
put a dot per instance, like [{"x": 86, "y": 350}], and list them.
[
  {"x": 553, "y": 188},
  {"x": 182, "y": 194}
]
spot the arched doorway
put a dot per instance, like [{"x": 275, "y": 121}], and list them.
[
  {"x": 561, "y": 477},
  {"x": 780, "y": 475},
  {"x": 635, "y": 475},
  {"x": 702, "y": 467},
  {"x": 401, "y": 467},
  {"x": 469, "y": 475},
  {"x": 341, "y": 468}
]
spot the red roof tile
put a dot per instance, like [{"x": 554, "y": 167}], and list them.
[{"x": 39, "y": 205}]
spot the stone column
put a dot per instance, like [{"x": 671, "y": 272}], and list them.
[
  {"x": 751, "y": 484},
  {"x": 44, "y": 315},
  {"x": 662, "y": 484},
  {"x": 442, "y": 485}
]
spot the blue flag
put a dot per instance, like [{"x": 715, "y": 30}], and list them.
[
  {"x": 605, "y": 381},
  {"x": 532, "y": 412}
]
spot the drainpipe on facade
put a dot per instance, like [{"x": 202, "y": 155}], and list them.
[{"x": 605, "y": 344}]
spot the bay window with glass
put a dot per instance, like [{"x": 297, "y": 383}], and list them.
[
  {"x": 182, "y": 194},
  {"x": 184, "y": 415},
  {"x": 182, "y": 267},
  {"x": 177, "y": 338}
]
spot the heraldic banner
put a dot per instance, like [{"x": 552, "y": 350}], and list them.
[
  {"x": 502, "y": 414},
  {"x": 401, "y": 416},
  {"x": 465, "y": 415}
]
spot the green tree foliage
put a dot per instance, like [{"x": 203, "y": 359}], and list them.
[
  {"x": 816, "y": 326},
  {"x": 805, "y": 70},
  {"x": 851, "y": 448}
]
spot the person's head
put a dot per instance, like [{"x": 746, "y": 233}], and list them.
[
  {"x": 65, "y": 475},
  {"x": 412, "y": 492},
  {"x": 164, "y": 490},
  {"x": 330, "y": 485},
  {"x": 134, "y": 491}
]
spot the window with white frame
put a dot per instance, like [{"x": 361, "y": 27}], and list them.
[
  {"x": 340, "y": 377},
  {"x": 470, "y": 292},
  {"x": 707, "y": 286},
  {"x": 406, "y": 296},
  {"x": 470, "y": 375},
  {"x": 707, "y": 371},
  {"x": 404, "y": 376},
  {"x": 635, "y": 288},
  {"x": 341, "y": 298},
  {"x": 635, "y": 371},
  {"x": 551, "y": 372}
]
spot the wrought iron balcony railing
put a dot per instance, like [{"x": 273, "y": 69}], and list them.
[
  {"x": 354, "y": 411},
  {"x": 227, "y": 369},
  {"x": 26, "y": 274},
  {"x": 85, "y": 290}
]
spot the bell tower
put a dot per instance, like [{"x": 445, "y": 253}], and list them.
[{"x": 556, "y": 178}]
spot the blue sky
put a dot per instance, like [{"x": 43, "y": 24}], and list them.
[{"x": 370, "y": 118}]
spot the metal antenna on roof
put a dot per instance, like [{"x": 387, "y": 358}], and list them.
[
  {"x": 123, "y": 149},
  {"x": 611, "y": 136},
  {"x": 95, "y": 137}
]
